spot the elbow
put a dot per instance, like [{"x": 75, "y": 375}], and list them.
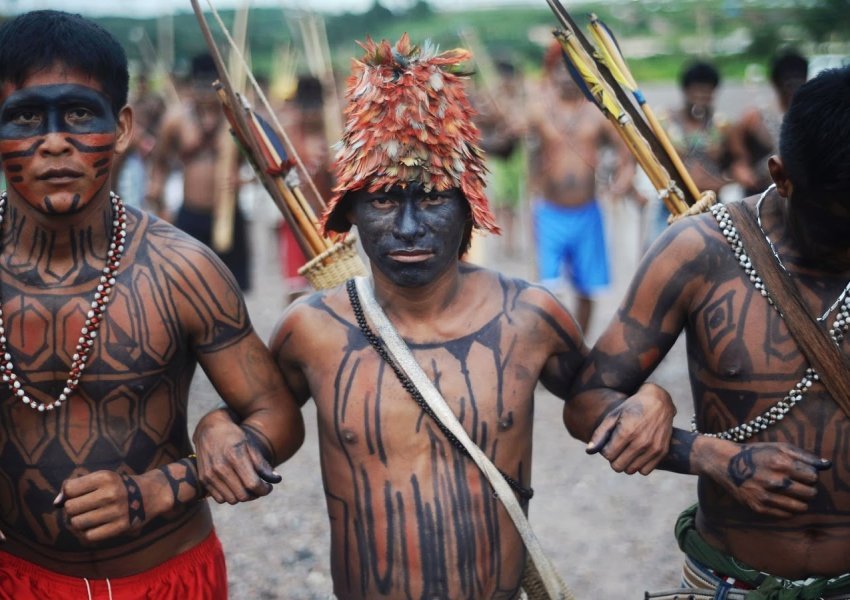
[
  {"x": 294, "y": 438},
  {"x": 574, "y": 422}
]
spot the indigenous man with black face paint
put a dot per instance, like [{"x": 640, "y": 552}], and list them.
[
  {"x": 768, "y": 441},
  {"x": 106, "y": 311},
  {"x": 410, "y": 515}
]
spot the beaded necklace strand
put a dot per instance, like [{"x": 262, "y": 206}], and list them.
[
  {"x": 94, "y": 317},
  {"x": 775, "y": 252},
  {"x": 795, "y": 395}
]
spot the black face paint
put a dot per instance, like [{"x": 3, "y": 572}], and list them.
[
  {"x": 56, "y": 144},
  {"x": 411, "y": 236}
]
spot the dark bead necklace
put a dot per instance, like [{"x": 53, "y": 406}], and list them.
[{"x": 410, "y": 388}]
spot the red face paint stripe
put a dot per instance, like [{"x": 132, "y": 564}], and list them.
[
  {"x": 18, "y": 148},
  {"x": 76, "y": 143}
]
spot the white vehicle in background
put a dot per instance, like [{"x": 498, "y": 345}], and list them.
[{"x": 819, "y": 62}]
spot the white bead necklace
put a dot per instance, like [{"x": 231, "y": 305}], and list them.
[
  {"x": 839, "y": 329},
  {"x": 775, "y": 252},
  {"x": 94, "y": 317}
]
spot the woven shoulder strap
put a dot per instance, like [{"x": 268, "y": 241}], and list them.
[
  {"x": 404, "y": 359},
  {"x": 821, "y": 352}
]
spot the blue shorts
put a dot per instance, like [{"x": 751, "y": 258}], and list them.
[{"x": 571, "y": 244}]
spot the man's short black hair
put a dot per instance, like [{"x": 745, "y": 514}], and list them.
[
  {"x": 202, "y": 68},
  {"x": 790, "y": 65},
  {"x": 814, "y": 142},
  {"x": 309, "y": 93},
  {"x": 39, "y": 39},
  {"x": 699, "y": 72}
]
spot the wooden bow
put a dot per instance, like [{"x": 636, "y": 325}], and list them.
[
  {"x": 264, "y": 147},
  {"x": 602, "y": 74}
]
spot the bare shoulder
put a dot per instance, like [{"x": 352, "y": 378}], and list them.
[
  {"x": 173, "y": 252},
  {"x": 686, "y": 242},
  {"x": 308, "y": 323},
  {"x": 531, "y": 308},
  {"x": 688, "y": 258},
  {"x": 186, "y": 279}
]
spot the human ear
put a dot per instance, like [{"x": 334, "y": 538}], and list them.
[
  {"x": 124, "y": 130},
  {"x": 780, "y": 176}
]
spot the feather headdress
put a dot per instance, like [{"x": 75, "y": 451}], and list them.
[{"x": 408, "y": 119}]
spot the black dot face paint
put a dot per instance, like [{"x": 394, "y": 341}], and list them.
[
  {"x": 411, "y": 236},
  {"x": 56, "y": 144}
]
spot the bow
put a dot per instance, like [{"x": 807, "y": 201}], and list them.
[
  {"x": 601, "y": 73},
  {"x": 264, "y": 143}
]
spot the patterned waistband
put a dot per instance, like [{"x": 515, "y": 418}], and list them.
[{"x": 697, "y": 575}]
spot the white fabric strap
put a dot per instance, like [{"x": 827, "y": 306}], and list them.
[{"x": 407, "y": 363}]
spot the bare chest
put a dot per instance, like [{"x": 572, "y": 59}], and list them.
[{"x": 366, "y": 405}]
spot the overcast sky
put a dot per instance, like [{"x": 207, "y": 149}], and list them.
[{"x": 146, "y": 8}]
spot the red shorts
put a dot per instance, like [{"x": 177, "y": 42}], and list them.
[{"x": 197, "y": 574}]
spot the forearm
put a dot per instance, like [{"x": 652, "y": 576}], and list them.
[
  {"x": 166, "y": 489},
  {"x": 585, "y": 411},
  {"x": 275, "y": 434},
  {"x": 678, "y": 459},
  {"x": 694, "y": 454}
]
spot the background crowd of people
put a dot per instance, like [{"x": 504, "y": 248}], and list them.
[{"x": 529, "y": 120}]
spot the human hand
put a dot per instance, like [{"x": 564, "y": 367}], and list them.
[
  {"x": 230, "y": 465},
  {"x": 769, "y": 478},
  {"x": 635, "y": 436},
  {"x": 105, "y": 504}
]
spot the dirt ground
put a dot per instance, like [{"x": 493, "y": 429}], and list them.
[{"x": 610, "y": 535}]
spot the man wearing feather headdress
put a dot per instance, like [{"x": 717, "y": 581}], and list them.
[{"x": 410, "y": 514}]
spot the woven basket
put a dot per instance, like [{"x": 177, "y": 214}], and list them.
[{"x": 335, "y": 265}]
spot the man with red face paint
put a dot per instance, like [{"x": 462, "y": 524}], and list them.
[
  {"x": 411, "y": 516},
  {"x": 105, "y": 312}
]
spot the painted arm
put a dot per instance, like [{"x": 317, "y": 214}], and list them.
[
  {"x": 234, "y": 462},
  {"x": 235, "y": 447},
  {"x": 621, "y": 426},
  {"x": 770, "y": 478},
  {"x": 106, "y": 503}
]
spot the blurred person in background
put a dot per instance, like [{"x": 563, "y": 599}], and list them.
[
  {"x": 755, "y": 137},
  {"x": 567, "y": 133},
  {"x": 148, "y": 109},
  {"x": 195, "y": 134},
  {"x": 304, "y": 120},
  {"x": 700, "y": 136},
  {"x": 499, "y": 120}
]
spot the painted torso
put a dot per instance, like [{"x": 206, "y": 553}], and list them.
[
  {"x": 742, "y": 361},
  {"x": 129, "y": 413},
  {"x": 410, "y": 515}
]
